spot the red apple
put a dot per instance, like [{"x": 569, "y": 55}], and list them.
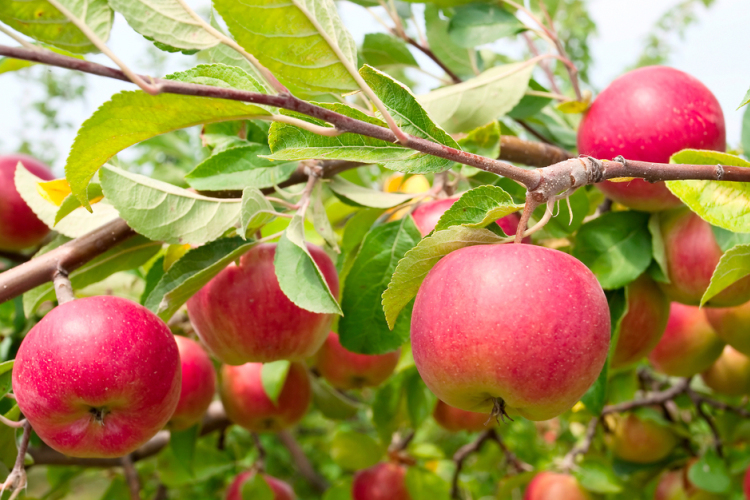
[
  {"x": 19, "y": 227},
  {"x": 427, "y": 215},
  {"x": 97, "y": 377},
  {"x": 692, "y": 255},
  {"x": 454, "y": 420},
  {"x": 198, "y": 384},
  {"x": 344, "y": 369},
  {"x": 675, "y": 485},
  {"x": 553, "y": 486},
  {"x": 247, "y": 404},
  {"x": 649, "y": 114},
  {"x": 689, "y": 344},
  {"x": 732, "y": 325},
  {"x": 383, "y": 481},
  {"x": 281, "y": 490},
  {"x": 730, "y": 374},
  {"x": 746, "y": 484},
  {"x": 640, "y": 440},
  {"x": 498, "y": 326},
  {"x": 242, "y": 315}
]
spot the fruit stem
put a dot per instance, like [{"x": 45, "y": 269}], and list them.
[
  {"x": 498, "y": 411},
  {"x": 63, "y": 288}
]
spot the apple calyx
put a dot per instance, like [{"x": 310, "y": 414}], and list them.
[
  {"x": 99, "y": 414},
  {"x": 498, "y": 411}
]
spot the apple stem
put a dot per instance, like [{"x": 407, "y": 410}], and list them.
[
  {"x": 260, "y": 462},
  {"x": 16, "y": 480},
  {"x": 131, "y": 474},
  {"x": 498, "y": 411},
  {"x": 528, "y": 209},
  {"x": 63, "y": 288}
]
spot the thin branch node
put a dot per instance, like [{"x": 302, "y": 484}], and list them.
[{"x": 16, "y": 480}]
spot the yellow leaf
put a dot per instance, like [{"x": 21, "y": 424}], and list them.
[
  {"x": 621, "y": 179},
  {"x": 574, "y": 107},
  {"x": 173, "y": 254},
  {"x": 54, "y": 191},
  {"x": 579, "y": 406}
]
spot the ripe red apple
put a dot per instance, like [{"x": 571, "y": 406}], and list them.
[
  {"x": 383, "y": 481},
  {"x": 692, "y": 255},
  {"x": 675, "y": 485},
  {"x": 643, "y": 324},
  {"x": 242, "y": 315},
  {"x": 730, "y": 374},
  {"x": 344, "y": 369},
  {"x": 746, "y": 484},
  {"x": 97, "y": 377},
  {"x": 427, "y": 215},
  {"x": 198, "y": 384},
  {"x": 649, "y": 114},
  {"x": 689, "y": 344},
  {"x": 640, "y": 440},
  {"x": 553, "y": 486},
  {"x": 732, "y": 325},
  {"x": 498, "y": 326},
  {"x": 454, "y": 420},
  {"x": 19, "y": 227},
  {"x": 281, "y": 490},
  {"x": 247, "y": 404}
]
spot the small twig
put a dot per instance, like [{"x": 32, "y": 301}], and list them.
[
  {"x": 16, "y": 480},
  {"x": 302, "y": 462},
  {"x": 528, "y": 209},
  {"x": 698, "y": 403},
  {"x": 131, "y": 475},
  {"x": 724, "y": 406},
  {"x": 655, "y": 398},
  {"x": 12, "y": 423},
  {"x": 459, "y": 458},
  {"x": 63, "y": 288},
  {"x": 162, "y": 493},
  {"x": 260, "y": 462},
  {"x": 544, "y": 65},
  {"x": 582, "y": 448},
  {"x": 511, "y": 457},
  {"x": 399, "y": 445}
]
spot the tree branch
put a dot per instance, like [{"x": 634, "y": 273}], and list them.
[
  {"x": 302, "y": 462},
  {"x": 131, "y": 475},
  {"x": 655, "y": 398},
  {"x": 582, "y": 448}
]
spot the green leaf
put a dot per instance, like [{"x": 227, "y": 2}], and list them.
[
  {"x": 165, "y": 212},
  {"x": 732, "y": 267},
  {"x": 153, "y": 276},
  {"x": 340, "y": 491},
  {"x": 331, "y": 403},
  {"x": 221, "y": 75},
  {"x": 71, "y": 203},
  {"x": 256, "y": 488},
  {"x": 256, "y": 211},
  {"x": 357, "y": 227},
  {"x": 165, "y": 21},
  {"x": 745, "y": 134},
  {"x": 473, "y": 103},
  {"x": 273, "y": 376},
  {"x": 5, "y": 377},
  {"x": 615, "y": 246},
  {"x": 597, "y": 476},
  {"x": 320, "y": 219},
  {"x": 284, "y": 37},
  {"x": 365, "y": 197},
  {"x": 183, "y": 446},
  {"x": 191, "y": 272},
  {"x": 298, "y": 274},
  {"x": 425, "y": 485},
  {"x": 387, "y": 405},
  {"x": 418, "y": 261},
  {"x": 41, "y": 21},
  {"x": 420, "y": 401},
  {"x": 478, "y": 24},
  {"x": 442, "y": 45},
  {"x": 723, "y": 204},
  {"x": 355, "y": 451},
  {"x": 657, "y": 245},
  {"x": 561, "y": 225},
  {"x": 710, "y": 473},
  {"x": 745, "y": 100},
  {"x": 239, "y": 167},
  {"x": 384, "y": 51},
  {"x": 478, "y": 207},
  {"x": 8, "y": 439},
  {"x": 728, "y": 239},
  {"x": 363, "y": 328},
  {"x": 483, "y": 141},
  {"x": 530, "y": 105}
]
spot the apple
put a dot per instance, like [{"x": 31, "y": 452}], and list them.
[
  {"x": 383, "y": 481},
  {"x": 97, "y": 377},
  {"x": 19, "y": 227},
  {"x": 675, "y": 485},
  {"x": 730, "y": 374},
  {"x": 510, "y": 327},
  {"x": 281, "y": 490},
  {"x": 746, "y": 484},
  {"x": 649, "y": 114},
  {"x": 689, "y": 344},
  {"x": 247, "y": 404},
  {"x": 427, "y": 215},
  {"x": 640, "y": 440},
  {"x": 242, "y": 315},
  {"x": 643, "y": 324},
  {"x": 395, "y": 183},
  {"x": 454, "y": 420},
  {"x": 198, "y": 384},
  {"x": 732, "y": 325},
  {"x": 344, "y": 369},
  {"x": 554, "y": 486},
  {"x": 692, "y": 255}
]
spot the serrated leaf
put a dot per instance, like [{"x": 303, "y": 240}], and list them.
[
  {"x": 745, "y": 100},
  {"x": 745, "y": 133},
  {"x": 478, "y": 24},
  {"x": 154, "y": 274},
  {"x": 478, "y": 207},
  {"x": 256, "y": 488},
  {"x": 43, "y": 22},
  {"x": 223, "y": 54},
  {"x": 710, "y": 473},
  {"x": 331, "y": 403},
  {"x": 483, "y": 141},
  {"x": 298, "y": 274},
  {"x": 473, "y": 103},
  {"x": 723, "y": 204},
  {"x": 191, "y": 272},
  {"x": 530, "y": 105},
  {"x": 353, "y": 451},
  {"x": 183, "y": 446},
  {"x": 364, "y": 329},
  {"x": 221, "y": 75},
  {"x": 413, "y": 268},
  {"x": 256, "y": 211},
  {"x": 657, "y": 245},
  {"x": 164, "y": 212},
  {"x": 6, "y": 369},
  {"x": 442, "y": 45},
  {"x": 239, "y": 167},
  {"x": 71, "y": 203},
  {"x": 365, "y": 197},
  {"x": 285, "y": 40},
  {"x": 380, "y": 50},
  {"x": 425, "y": 485},
  {"x": 273, "y": 376},
  {"x": 732, "y": 267},
  {"x": 320, "y": 220}
]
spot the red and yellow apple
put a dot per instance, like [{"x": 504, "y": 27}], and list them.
[
  {"x": 554, "y": 486},
  {"x": 344, "y": 369},
  {"x": 730, "y": 374},
  {"x": 453, "y": 419},
  {"x": 281, "y": 490},
  {"x": 198, "y": 384},
  {"x": 732, "y": 325},
  {"x": 383, "y": 481},
  {"x": 675, "y": 485},
  {"x": 640, "y": 440}
]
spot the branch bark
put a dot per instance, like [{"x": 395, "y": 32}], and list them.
[{"x": 302, "y": 462}]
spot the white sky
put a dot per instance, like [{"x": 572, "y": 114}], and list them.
[{"x": 714, "y": 50}]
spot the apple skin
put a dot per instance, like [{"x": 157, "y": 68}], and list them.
[
  {"x": 19, "y": 227},
  {"x": 281, "y": 490},
  {"x": 732, "y": 325},
  {"x": 730, "y": 374},
  {"x": 692, "y": 255},
  {"x": 198, "y": 384},
  {"x": 427, "y": 215},
  {"x": 242, "y": 315},
  {"x": 640, "y": 440},
  {"x": 383, "y": 481},
  {"x": 454, "y": 420},
  {"x": 344, "y": 369},
  {"x": 746, "y": 484},
  {"x": 92, "y": 354},
  {"x": 675, "y": 485},
  {"x": 689, "y": 344},
  {"x": 649, "y": 114},
  {"x": 247, "y": 404},
  {"x": 549, "y": 324},
  {"x": 643, "y": 324},
  {"x": 553, "y": 486}
]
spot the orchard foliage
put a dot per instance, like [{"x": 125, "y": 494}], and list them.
[{"x": 330, "y": 236}]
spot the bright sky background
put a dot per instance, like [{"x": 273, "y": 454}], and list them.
[{"x": 713, "y": 50}]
